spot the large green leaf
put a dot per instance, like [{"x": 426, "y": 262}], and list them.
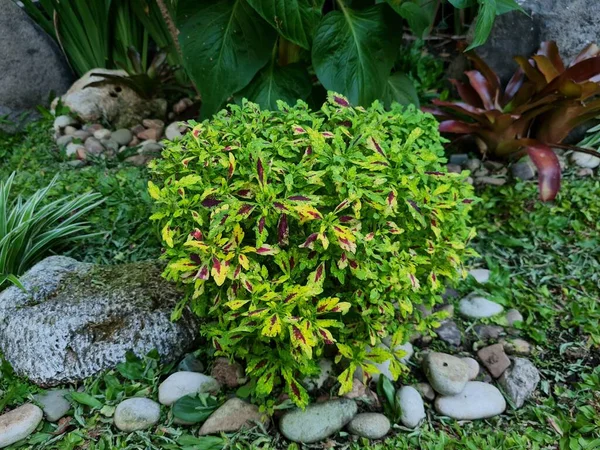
[
  {"x": 418, "y": 13},
  {"x": 224, "y": 44},
  {"x": 400, "y": 89},
  {"x": 273, "y": 83},
  {"x": 296, "y": 20},
  {"x": 484, "y": 23},
  {"x": 354, "y": 51}
]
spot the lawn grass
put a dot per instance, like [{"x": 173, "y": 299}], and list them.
[{"x": 545, "y": 261}]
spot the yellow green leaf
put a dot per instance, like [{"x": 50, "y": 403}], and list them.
[
  {"x": 236, "y": 304},
  {"x": 167, "y": 235},
  {"x": 272, "y": 326},
  {"x": 153, "y": 190}
]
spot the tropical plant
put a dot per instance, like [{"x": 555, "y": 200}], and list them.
[
  {"x": 540, "y": 105},
  {"x": 156, "y": 81},
  {"x": 32, "y": 227},
  {"x": 294, "y": 230},
  {"x": 263, "y": 49},
  {"x": 99, "y": 33}
]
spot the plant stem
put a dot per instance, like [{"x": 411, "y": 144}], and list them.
[{"x": 170, "y": 25}]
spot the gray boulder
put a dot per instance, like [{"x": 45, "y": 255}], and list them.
[
  {"x": 573, "y": 24},
  {"x": 31, "y": 65},
  {"x": 317, "y": 421},
  {"x": 116, "y": 104},
  {"x": 520, "y": 381},
  {"x": 75, "y": 319}
]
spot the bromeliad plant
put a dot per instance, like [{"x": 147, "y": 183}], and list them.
[
  {"x": 540, "y": 105},
  {"x": 295, "y": 230}
]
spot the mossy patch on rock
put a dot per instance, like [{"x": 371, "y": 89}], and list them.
[{"x": 75, "y": 319}]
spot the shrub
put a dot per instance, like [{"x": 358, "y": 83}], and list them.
[
  {"x": 540, "y": 105},
  {"x": 30, "y": 228},
  {"x": 296, "y": 230}
]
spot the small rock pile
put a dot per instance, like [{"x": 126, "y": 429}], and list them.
[
  {"x": 136, "y": 145},
  {"x": 140, "y": 413},
  {"x": 496, "y": 174}
]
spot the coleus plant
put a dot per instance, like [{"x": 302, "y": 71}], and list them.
[
  {"x": 296, "y": 230},
  {"x": 543, "y": 101}
]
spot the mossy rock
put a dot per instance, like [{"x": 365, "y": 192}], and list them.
[{"x": 76, "y": 319}]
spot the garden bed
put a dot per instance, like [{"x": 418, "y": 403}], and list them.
[{"x": 544, "y": 262}]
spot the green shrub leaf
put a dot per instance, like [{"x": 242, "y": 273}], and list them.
[
  {"x": 224, "y": 43},
  {"x": 354, "y": 51},
  {"x": 296, "y": 20},
  {"x": 274, "y": 83}
]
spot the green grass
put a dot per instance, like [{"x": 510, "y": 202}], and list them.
[
  {"x": 125, "y": 233},
  {"x": 545, "y": 261}
]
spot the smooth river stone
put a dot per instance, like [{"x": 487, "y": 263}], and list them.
[{"x": 478, "y": 400}]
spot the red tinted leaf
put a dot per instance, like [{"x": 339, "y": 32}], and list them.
[
  {"x": 261, "y": 171},
  {"x": 590, "y": 51},
  {"x": 490, "y": 76},
  {"x": 210, "y": 202},
  {"x": 457, "y": 127},
  {"x": 467, "y": 93},
  {"x": 245, "y": 193},
  {"x": 341, "y": 101},
  {"x": 550, "y": 50},
  {"x": 245, "y": 209},
  {"x": 283, "y": 230},
  {"x": 483, "y": 88},
  {"x": 202, "y": 273},
  {"x": 513, "y": 86},
  {"x": 310, "y": 241},
  {"x": 548, "y": 167}
]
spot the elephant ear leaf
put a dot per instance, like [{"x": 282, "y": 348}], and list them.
[
  {"x": 400, "y": 89},
  {"x": 296, "y": 20},
  {"x": 273, "y": 83},
  {"x": 224, "y": 44},
  {"x": 354, "y": 51}
]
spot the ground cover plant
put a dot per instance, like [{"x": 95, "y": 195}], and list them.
[
  {"x": 296, "y": 230},
  {"x": 120, "y": 225}
]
